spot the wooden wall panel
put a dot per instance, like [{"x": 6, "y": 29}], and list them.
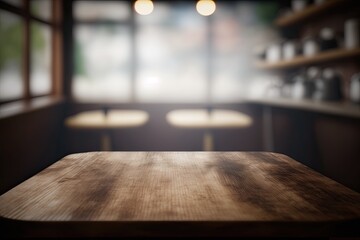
[
  {"x": 29, "y": 142},
  {"x": 326, "y": 143},
  {"x": 339, "y": 149},
  {"x": 294, "y": 135}
]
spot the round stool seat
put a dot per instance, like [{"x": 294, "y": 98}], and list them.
[{"x": 203, "y": 119}]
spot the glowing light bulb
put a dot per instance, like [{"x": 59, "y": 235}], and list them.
[
  {"x": 206, "y": 7},
  {"x": 144, "y": 7}
]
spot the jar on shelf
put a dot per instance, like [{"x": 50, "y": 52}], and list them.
[
  {"x": 298, "y": 89},
  {"x": 354, "y": 92},
  {"x": 312, "y": 73},
  {"x": 328, "y": 87},
  {"x": 273, "y": 53},
  {"x": 328, "y": 39},
  {"x": 310, "y": 46},
  {"x": 287, "y": 87},
  {"x": 351, "y": 33},
  {"x": 289, "y": 49},
  {"x": 304, "y": 84}
]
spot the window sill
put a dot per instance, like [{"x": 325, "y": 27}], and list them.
[{"x": 21, "y": 107}]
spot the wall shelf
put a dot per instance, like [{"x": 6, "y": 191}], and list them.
[
  {"x": 307, "y": 13},
  {"x": 323, "y": 57},
  {"x": 338, "y": 108}
]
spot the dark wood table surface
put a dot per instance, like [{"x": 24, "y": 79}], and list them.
[{"x": 155, "y": 194}]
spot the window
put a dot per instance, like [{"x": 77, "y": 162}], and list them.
[
  {"x": 26, "y": 30},
  {"x": 102, "y": 54},
  {"x": 172, "y": 55},
  {"x": 102, "y": 51},
  {"x": 236, "y": 32},
  {"x": 40, "y": 53},
  {"x": 170, "y": 66},
  {"x": 11, "y": 55}
]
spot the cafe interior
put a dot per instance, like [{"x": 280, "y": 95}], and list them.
[{"x": 111, "y": 76}]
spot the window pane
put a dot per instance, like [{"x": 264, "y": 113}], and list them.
[
  {"x": 171, "y": 47},
  {"x": 11, "y": 55},
  {"x": 41, "y": 8},
  {"x": 40, "y": 76},
  {"x": 17, "y": 3},
  {"x": 101, "y": 10},
  {"x": 237, "y": 30},
  {"x": 102, "y": 63}
]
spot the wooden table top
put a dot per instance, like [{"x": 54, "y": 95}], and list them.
[
  {"x": 189, "y": 193},
  {"x": 201, "y": 118},
  {"x": 113, "y": 119}
]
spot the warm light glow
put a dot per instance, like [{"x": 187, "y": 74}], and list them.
[
  {"x": 144, "y": 7},
  {"x": 206, "y": 7}
]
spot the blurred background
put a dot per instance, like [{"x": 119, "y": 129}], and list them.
[{"x": 292, "y": 67}]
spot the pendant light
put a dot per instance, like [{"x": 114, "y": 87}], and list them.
[
  {"x": 206, "y": 7},
  {"x": 144, "y": 7}
]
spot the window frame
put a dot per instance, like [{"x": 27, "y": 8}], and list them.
[{"x": 54, "y": 23}]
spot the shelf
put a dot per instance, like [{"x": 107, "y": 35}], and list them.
[
  {"x": 323, "y": 57},
  {"x": 307, "y": 13},
  {"x": 338, "y": 108}
]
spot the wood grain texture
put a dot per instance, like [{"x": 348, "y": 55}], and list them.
[{"x": 193, "y": 193}]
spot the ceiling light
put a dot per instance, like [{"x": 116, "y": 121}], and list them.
[
  {"x": 144, "y": 7},
  {"x": 206, "y": 7}
]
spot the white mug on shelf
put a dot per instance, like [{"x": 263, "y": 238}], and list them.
[
  {"x": 310, "y": 47},
  {"x": 352, "y": 33},
  {"x": 273, "y": 53},
  {"x": 354, "y": 93},
  {"x": 289, "y": 50}
]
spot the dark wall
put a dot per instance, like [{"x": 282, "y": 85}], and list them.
[
  {"x": 29, "y": 142},
  {"x": 329, "y": 144},
  {"x": 159, "y": 135},
  {"x": 339, "y": 148},
  {"x": 294, "y": 135}
]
